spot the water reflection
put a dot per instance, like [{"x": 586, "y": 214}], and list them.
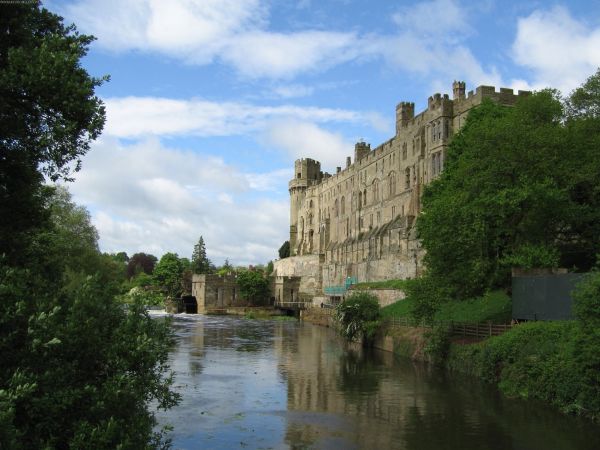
[{"x": 268, "y": 384}]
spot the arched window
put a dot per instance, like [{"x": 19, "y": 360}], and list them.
[
  {"x": 375, "y": 188},
  {"x": 392, "y": 184},
  {"x": 359, "y": 199},
  {"x": 407, "y": 178},
  {"x": 337, "y": 208},
  {"x": 404, "y": 151},
  {"x": 343, "y": 205},
  {"x": 310, "y": 205},
  {"x": 365, "y": 197}
]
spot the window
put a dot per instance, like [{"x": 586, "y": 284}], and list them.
[
  {"x": 365, "y": 197},
  {"x": 299, "y": 175},
  {"x": 404, "y": 151},
  {"x": 359, "y": 199},
  {"x": 378, "y": 218},
  {"x": 392, "y": 184},
  {"x": 393, "y": 212},
  {"x": 337, "y": 208},
  {"x": 407, "y": 178},
  {"x": 375, "y": 191},
  {"x": 343, "y": 205}
]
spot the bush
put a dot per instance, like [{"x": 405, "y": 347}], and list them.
[
  {"x": 427, "y": 297},
  {"x": 438, "y": 344},
  {"x": 254, "y": 287},
  {"x": 359, "y": 317}
]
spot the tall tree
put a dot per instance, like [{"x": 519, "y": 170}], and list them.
[
  {"x": 74, "y": 372},
  {"x": 141, "y": 262},
  {"x": 168, "y": 274},
  {"x": 200, "y": 262},
  {"x": 49, "y": 114},
  {"x": 284, "y": 250},
  {"x": 519, "y": 189}
]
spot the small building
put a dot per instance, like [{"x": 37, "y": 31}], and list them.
[
  {"x": 287, "y": 289},
  {"x": 216, "y": 292}
]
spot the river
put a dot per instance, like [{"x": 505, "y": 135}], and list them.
[{"x": 260, "y": 384}]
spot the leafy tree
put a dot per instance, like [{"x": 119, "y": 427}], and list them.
[
  {"x": 76, "y": 370},
  {"x": 269, "y": 268},
  {"x": 49, "y": 114},
  {"x": 200, "y": 263},
  {"x": 254, "y": 287},
  {"x": 509, "y": 195},
  {"x": 284, "y": 250},
  {"x": 168, "y": 274},
  {"x": 359, "y": 316},
  {"x": 141, "y": 262}
]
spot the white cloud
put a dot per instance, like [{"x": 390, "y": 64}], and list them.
[
  {"x": 561, "y": 51},
  {"x": 237, "y": 33},
  {"x": 435, "y": 17},
  {"x": 307, "y": 140},
  {"x": 147, "y": 197},
  {"x": 130, "y": 117},
  {"x": 278, "y": 55}
]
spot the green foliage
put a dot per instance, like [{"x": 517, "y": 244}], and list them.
[
  {"x": 254, "y": 287},
  {"x": 586, "y": 298},
  {"x": 437, "y": 344},
  {"x": 359, "y": 317},
  {"x": 519, "y": 188},
  {"x": 427, "y": 296},
  {"x": 76, "y": 369},
  {"x": 269, "y": 268},
  {"x": 200, "y": 262},
  {"x": 556, "y": 362},
  {"x": 494, "y": 306},
  {"x": 284, "y": 250},
  {"x": 147, "y": 297},
  {"x": 387, "y": 284},
  {"x": 50, "y": 115},
  {"x": 168, "y": 274}
]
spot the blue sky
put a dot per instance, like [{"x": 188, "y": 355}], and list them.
[{"x": 211, "y": 101}]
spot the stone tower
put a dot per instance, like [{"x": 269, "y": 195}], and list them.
[
  {"x": 307, "y": 172},
  {"x": 405, "y": 111},
  {"x": 458, "y": 90}
]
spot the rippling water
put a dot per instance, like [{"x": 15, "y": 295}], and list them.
[{"x": 269, "y": 384}]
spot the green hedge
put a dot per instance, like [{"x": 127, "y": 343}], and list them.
[{"x": 556, "y": 362}]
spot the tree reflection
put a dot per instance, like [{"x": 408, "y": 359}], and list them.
[{"x": 358, "y": 375}]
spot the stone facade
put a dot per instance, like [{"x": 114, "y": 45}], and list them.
[
  {"x": 359, "y": 222},
  {"x": 216, "y": 292}
]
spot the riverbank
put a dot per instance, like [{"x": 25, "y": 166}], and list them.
[{"x": 554, "y": 362}]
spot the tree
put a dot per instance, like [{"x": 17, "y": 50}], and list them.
[
  {"x": 168, "y": 274},
  {"x": 76, "y": 370},
  {"x": 49, "y": 114},
  {"x": 284, "y": 250},
  {"x": 509, "y": 196},
  {"x": 254, "y": 287},
  {"x": 141, "y": 262},
  {"x": 200, "y": 263},
  {"x": 359, "y": 317}
]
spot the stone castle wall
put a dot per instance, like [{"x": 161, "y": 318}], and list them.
[{"x": 359, "y": 222}]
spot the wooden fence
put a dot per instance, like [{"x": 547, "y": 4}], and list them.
[{"x": 482, "y": 329}]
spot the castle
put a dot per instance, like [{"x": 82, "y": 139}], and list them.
[{"x": 358, "y": 224}]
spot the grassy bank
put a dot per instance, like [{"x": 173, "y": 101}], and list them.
[
  {"x": 494, "y": 306},
  {"x": 551, "y": 361},
  {"x": 387, "y": 284}
]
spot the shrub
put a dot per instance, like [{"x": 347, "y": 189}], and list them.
[{"x": 359, "y": 317}]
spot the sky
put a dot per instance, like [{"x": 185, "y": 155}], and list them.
[{"x": 210, "y": 101}]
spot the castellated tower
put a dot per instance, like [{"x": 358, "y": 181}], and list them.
[
  {"x": 307, "y": 172},
  {"x": 405, "y": 111},
  {"x": 458, "y": 90}
]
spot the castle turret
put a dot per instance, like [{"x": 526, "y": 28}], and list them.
[
  {"x": 307, "y": 172},
  {"x": 405, "y": 112},
  {"x": 361, "y": 149},
  {"x": 458, "y": 90}
]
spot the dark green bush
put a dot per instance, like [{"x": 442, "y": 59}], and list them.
[{"x": 359, "y": 317}]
